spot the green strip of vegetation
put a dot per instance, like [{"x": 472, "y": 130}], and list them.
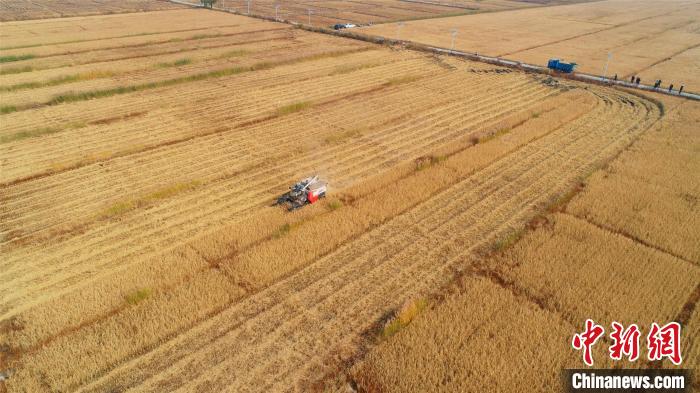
[
  {"x": 508, "y": 239},
  {"x": 343, "y": 136},
  {"x": 403, "y": 79},
  {"x": 176, "y": 63},
  {"x": 428, "y": 161},
  {"x": 291, "y": 108},
  {"x": 121, "y": 207},
  {"x": 138, "y": 296},
  {"x": 59, "y": 80},
  {"x": 11, "y": 58},
  {"x": 28, "y": 134},
  {"x": 335, "y": 205},
  {"x": 5, "y": 109},
  {"x": 233, "y": 53},
  {"x": 403, "y": 317},
  {"x": 16, "y": 70}
]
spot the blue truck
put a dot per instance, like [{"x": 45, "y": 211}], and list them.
[{"x": 558, "y": 65}]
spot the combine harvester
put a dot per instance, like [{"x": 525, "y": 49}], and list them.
[
  {"x": 304, "y": 192},
  {"x": 560, "y": 66}
]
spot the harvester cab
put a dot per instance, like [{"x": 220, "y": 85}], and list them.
[{"x": 304, "y": 192}]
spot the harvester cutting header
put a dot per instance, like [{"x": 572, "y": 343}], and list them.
[{"x": 304, "y": 192}]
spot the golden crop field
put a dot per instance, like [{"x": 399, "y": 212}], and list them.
[
  {"x": 41, "y": 9},
  {"x": 140, "y": 155},
  {"x": 595, "y": 257},
  {"x": 648, "y": 38},
  {"x": 330, "y": 12}
]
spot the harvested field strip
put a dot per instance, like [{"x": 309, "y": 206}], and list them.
[
  {"x": 100, "y": 42},
  {"x": 144, "y": 62},
  {"x": 254, "y": 101},
  {"x": 108, "y": 234},
  {"x": 66, "y": 30},
  {"x": 207, "y": 57},
  {"x": 393, "y": 262},
  {"x": 105, "y": 56},
  {"x": 303, "y": 159},
  {"x": 102, "y": 49},
  {"x": 273, "y": 50},
  {"x": 286, "y": 138},
  {"x": 104, "y": 143},
  {"x": 77, "y": 97},
  {"x": 95, "y": 111},
  {"x": 280, "y": 138}
]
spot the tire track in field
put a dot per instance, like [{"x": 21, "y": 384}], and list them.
[
  {"x": 99, "y": 247},
  {"x": 265, "y": 342}
]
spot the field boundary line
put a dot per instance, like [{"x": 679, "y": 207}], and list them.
[
  {"x": 664, "y": 60},
  {"x": 631, "y": 237},
  {"x": 610, "y": 27}
]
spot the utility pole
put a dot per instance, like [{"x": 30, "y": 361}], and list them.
[
  {"x": 248, "y": 7},
  {"x": 454, "y": 34},
  {"x": 605, "y": 70},
  {"x": 310, "y": 12},
  {"x": 277, "y": 7},
  {"x": 398, "y": 30}
]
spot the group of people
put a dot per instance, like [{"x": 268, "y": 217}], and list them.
[{"x": 657, "y": 84}]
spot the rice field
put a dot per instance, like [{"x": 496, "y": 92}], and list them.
[
  {"x": 140, "y": 154},
  {"x": 11, "y": 10},
  {"x": 650, "y": 39},
  {"x": 329, "y": 12},
  {"x": 603, "y": 246}
]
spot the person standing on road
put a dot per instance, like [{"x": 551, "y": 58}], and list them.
[
  {"x": 680, "y": 91},
  {"x": 638, "y": 80},
  {"x": 615, "y": 78},
  {"x": 670, "y": 87}
]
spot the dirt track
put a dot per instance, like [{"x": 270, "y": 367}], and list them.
[{"x": 282, "y": 336}]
